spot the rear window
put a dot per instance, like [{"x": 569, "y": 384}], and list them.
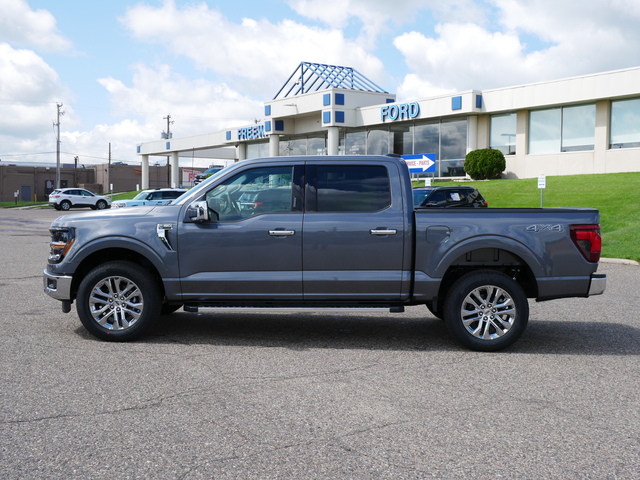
[{"x": 351, "y": 188}]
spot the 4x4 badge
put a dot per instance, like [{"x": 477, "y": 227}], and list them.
[{"x": 543, "y": 228}]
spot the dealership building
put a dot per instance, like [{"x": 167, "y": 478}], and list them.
[{"x": 581, "y": 125}]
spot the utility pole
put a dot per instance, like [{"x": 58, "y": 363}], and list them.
[
  {"x": 167, "y": 135},
  {"x": 57, "y": 125},
  {"x": 169, "y": 122}
]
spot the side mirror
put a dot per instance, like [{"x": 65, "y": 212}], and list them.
[{"x": 199, "y": 212}]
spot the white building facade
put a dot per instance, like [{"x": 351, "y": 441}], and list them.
[{"x": 582, "y": 125}]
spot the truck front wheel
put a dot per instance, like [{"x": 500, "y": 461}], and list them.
[
  {"x": 486, "y": 310},
  {"x": 117, "y": 301}
]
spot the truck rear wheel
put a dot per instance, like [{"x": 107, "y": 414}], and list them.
[
  {"x": 117, "y": 301},
  {"x": 486, "y": 310}
]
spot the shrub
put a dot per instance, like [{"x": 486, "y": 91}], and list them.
[{"x": 485, "y": 163}]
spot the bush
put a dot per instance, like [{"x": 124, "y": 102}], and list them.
[{"x": 485, "y": 163}]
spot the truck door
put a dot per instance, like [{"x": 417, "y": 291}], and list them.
[
  {"x": 252, "y": 248},
  {"x": 354, "y": 233}
]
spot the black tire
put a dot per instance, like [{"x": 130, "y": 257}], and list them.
[
  {"x": 101, "y": 205},
  {"x": 118, "y": 301},
  {"x": 486, "y": 310},
  {"x": 57, "y": 207},
  {"x": 65, "y": 205}
]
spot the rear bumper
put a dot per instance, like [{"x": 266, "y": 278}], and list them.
[
  {"x": 550, "y": 288},
  {"x": 57, "y": 286},
  {"x": 598, "y": 284}
]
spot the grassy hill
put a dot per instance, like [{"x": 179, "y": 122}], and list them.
[{"x": 616, "y": 195}]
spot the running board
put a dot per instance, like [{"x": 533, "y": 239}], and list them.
[{"x": 193, "y": 309}]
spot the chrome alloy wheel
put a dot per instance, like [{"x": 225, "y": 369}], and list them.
[
  {"x": 116, "y": 303},
  {"x": 488, "y": 312}
]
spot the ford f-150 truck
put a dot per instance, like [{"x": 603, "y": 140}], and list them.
[{"x": 317, "y": 233}]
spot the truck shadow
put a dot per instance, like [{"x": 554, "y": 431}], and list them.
[{"x": 381, "y": 332}]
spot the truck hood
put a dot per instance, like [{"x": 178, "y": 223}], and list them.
[{"x": 107, "y": 216}]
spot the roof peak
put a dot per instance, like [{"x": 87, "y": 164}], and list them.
[{"x": 312, "y": 77}]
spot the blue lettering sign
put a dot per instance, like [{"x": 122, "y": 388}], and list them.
[
  {"x": 249, "y": 133},
  {"x": 403, "y": 111}
]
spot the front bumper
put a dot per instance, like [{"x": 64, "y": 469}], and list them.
[{"x": 57, "y": 286}]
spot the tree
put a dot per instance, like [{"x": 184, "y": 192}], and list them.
[{"x": 485, "y": 163}]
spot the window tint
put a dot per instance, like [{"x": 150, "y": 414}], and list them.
[
  {"x": 503, "y": 133},
  {"x": 352, "y": 188},
  {"x": 565, "y": 129},
  {"x": 253, "y": 192},
  {"x": 625, "y": 123}
]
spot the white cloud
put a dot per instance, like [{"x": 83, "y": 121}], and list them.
[
  {"x": 535, "y": 41},
  {"x": 21, "y": 25},
  {"x": 257, "y": 54},
  {"x": 29, "y": 90},
  {"x": 196, "y": 105}
]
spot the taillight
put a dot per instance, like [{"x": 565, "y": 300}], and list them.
[{"x": 588, "y": 240}]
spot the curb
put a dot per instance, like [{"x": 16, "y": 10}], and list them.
[{"x": 619, "y": 261}]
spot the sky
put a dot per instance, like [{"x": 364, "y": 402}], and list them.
[{"x": 119, "y": 68}]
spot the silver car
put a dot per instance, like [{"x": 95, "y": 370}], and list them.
[{"x": 159, "y": 196}]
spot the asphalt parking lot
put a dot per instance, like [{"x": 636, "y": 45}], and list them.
[{"x": 312, "y": 396}]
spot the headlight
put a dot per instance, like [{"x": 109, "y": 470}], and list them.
[{"x": 61, "y": 240}]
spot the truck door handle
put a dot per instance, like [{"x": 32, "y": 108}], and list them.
[
  {"x": 281, "y": 233},
  {"x": 383, "y": 231}
]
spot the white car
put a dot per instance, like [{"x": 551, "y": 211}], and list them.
[
  {"x": 66, "y": 198},
  {"x": 159, "y": 196}
]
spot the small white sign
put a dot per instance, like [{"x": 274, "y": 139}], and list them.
[{"x": 542, "y": 181}]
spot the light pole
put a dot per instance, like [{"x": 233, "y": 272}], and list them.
[{"x": 57, "y": 125}]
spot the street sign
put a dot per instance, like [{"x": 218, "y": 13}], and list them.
[
  {"x": 421, "y": 163},
  {"x": 542, "y": 184},
  {"x": 542, "y": 181}
]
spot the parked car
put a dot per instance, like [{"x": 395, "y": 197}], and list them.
[
  {"x": 159, "y": 196},
  {"x": 447, "y": 197},
  {"x": 200, "y": 177},
  {"x": 66, "y": 198}
]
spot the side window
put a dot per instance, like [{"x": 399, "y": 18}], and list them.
[
  {"x": 252, "y": 192},
  {"x": 352, "y": 188},
  {"x": 438, "y": 198}
]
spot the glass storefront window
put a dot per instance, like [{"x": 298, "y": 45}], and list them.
[
  {"x": 378, "y": 141},
  {"x": 317, "y": 145},
  {"x": 544, "y": 131},
  {"x": 402, "y": 139},
  {"x": 427, "y": 139},
  {"x": 565, "y": 129},
  {"x": 293, "y": 146},
  {"x": 625, "y": 123},
  {"x": 578, "y": 128},
  {"x": 447, "y": 140},
  {"x": 355, "y": 142},
  {"x": 303, "y": 145},
  {"x": 453, "y": 142},
  {"x": 257, "y": 150},
  {"x": 503, "y": 133}
]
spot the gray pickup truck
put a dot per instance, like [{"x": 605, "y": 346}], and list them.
[{"x": 317, "y": 233}]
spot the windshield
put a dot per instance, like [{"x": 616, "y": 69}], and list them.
[{"x": 142, "y": 195}]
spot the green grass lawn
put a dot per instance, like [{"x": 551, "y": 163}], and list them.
[{"x": 614, "y": 194}]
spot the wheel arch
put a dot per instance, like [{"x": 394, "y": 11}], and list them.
[
  {"x": 108, "y": 254},
  {"x": 518, "y": 263}
]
